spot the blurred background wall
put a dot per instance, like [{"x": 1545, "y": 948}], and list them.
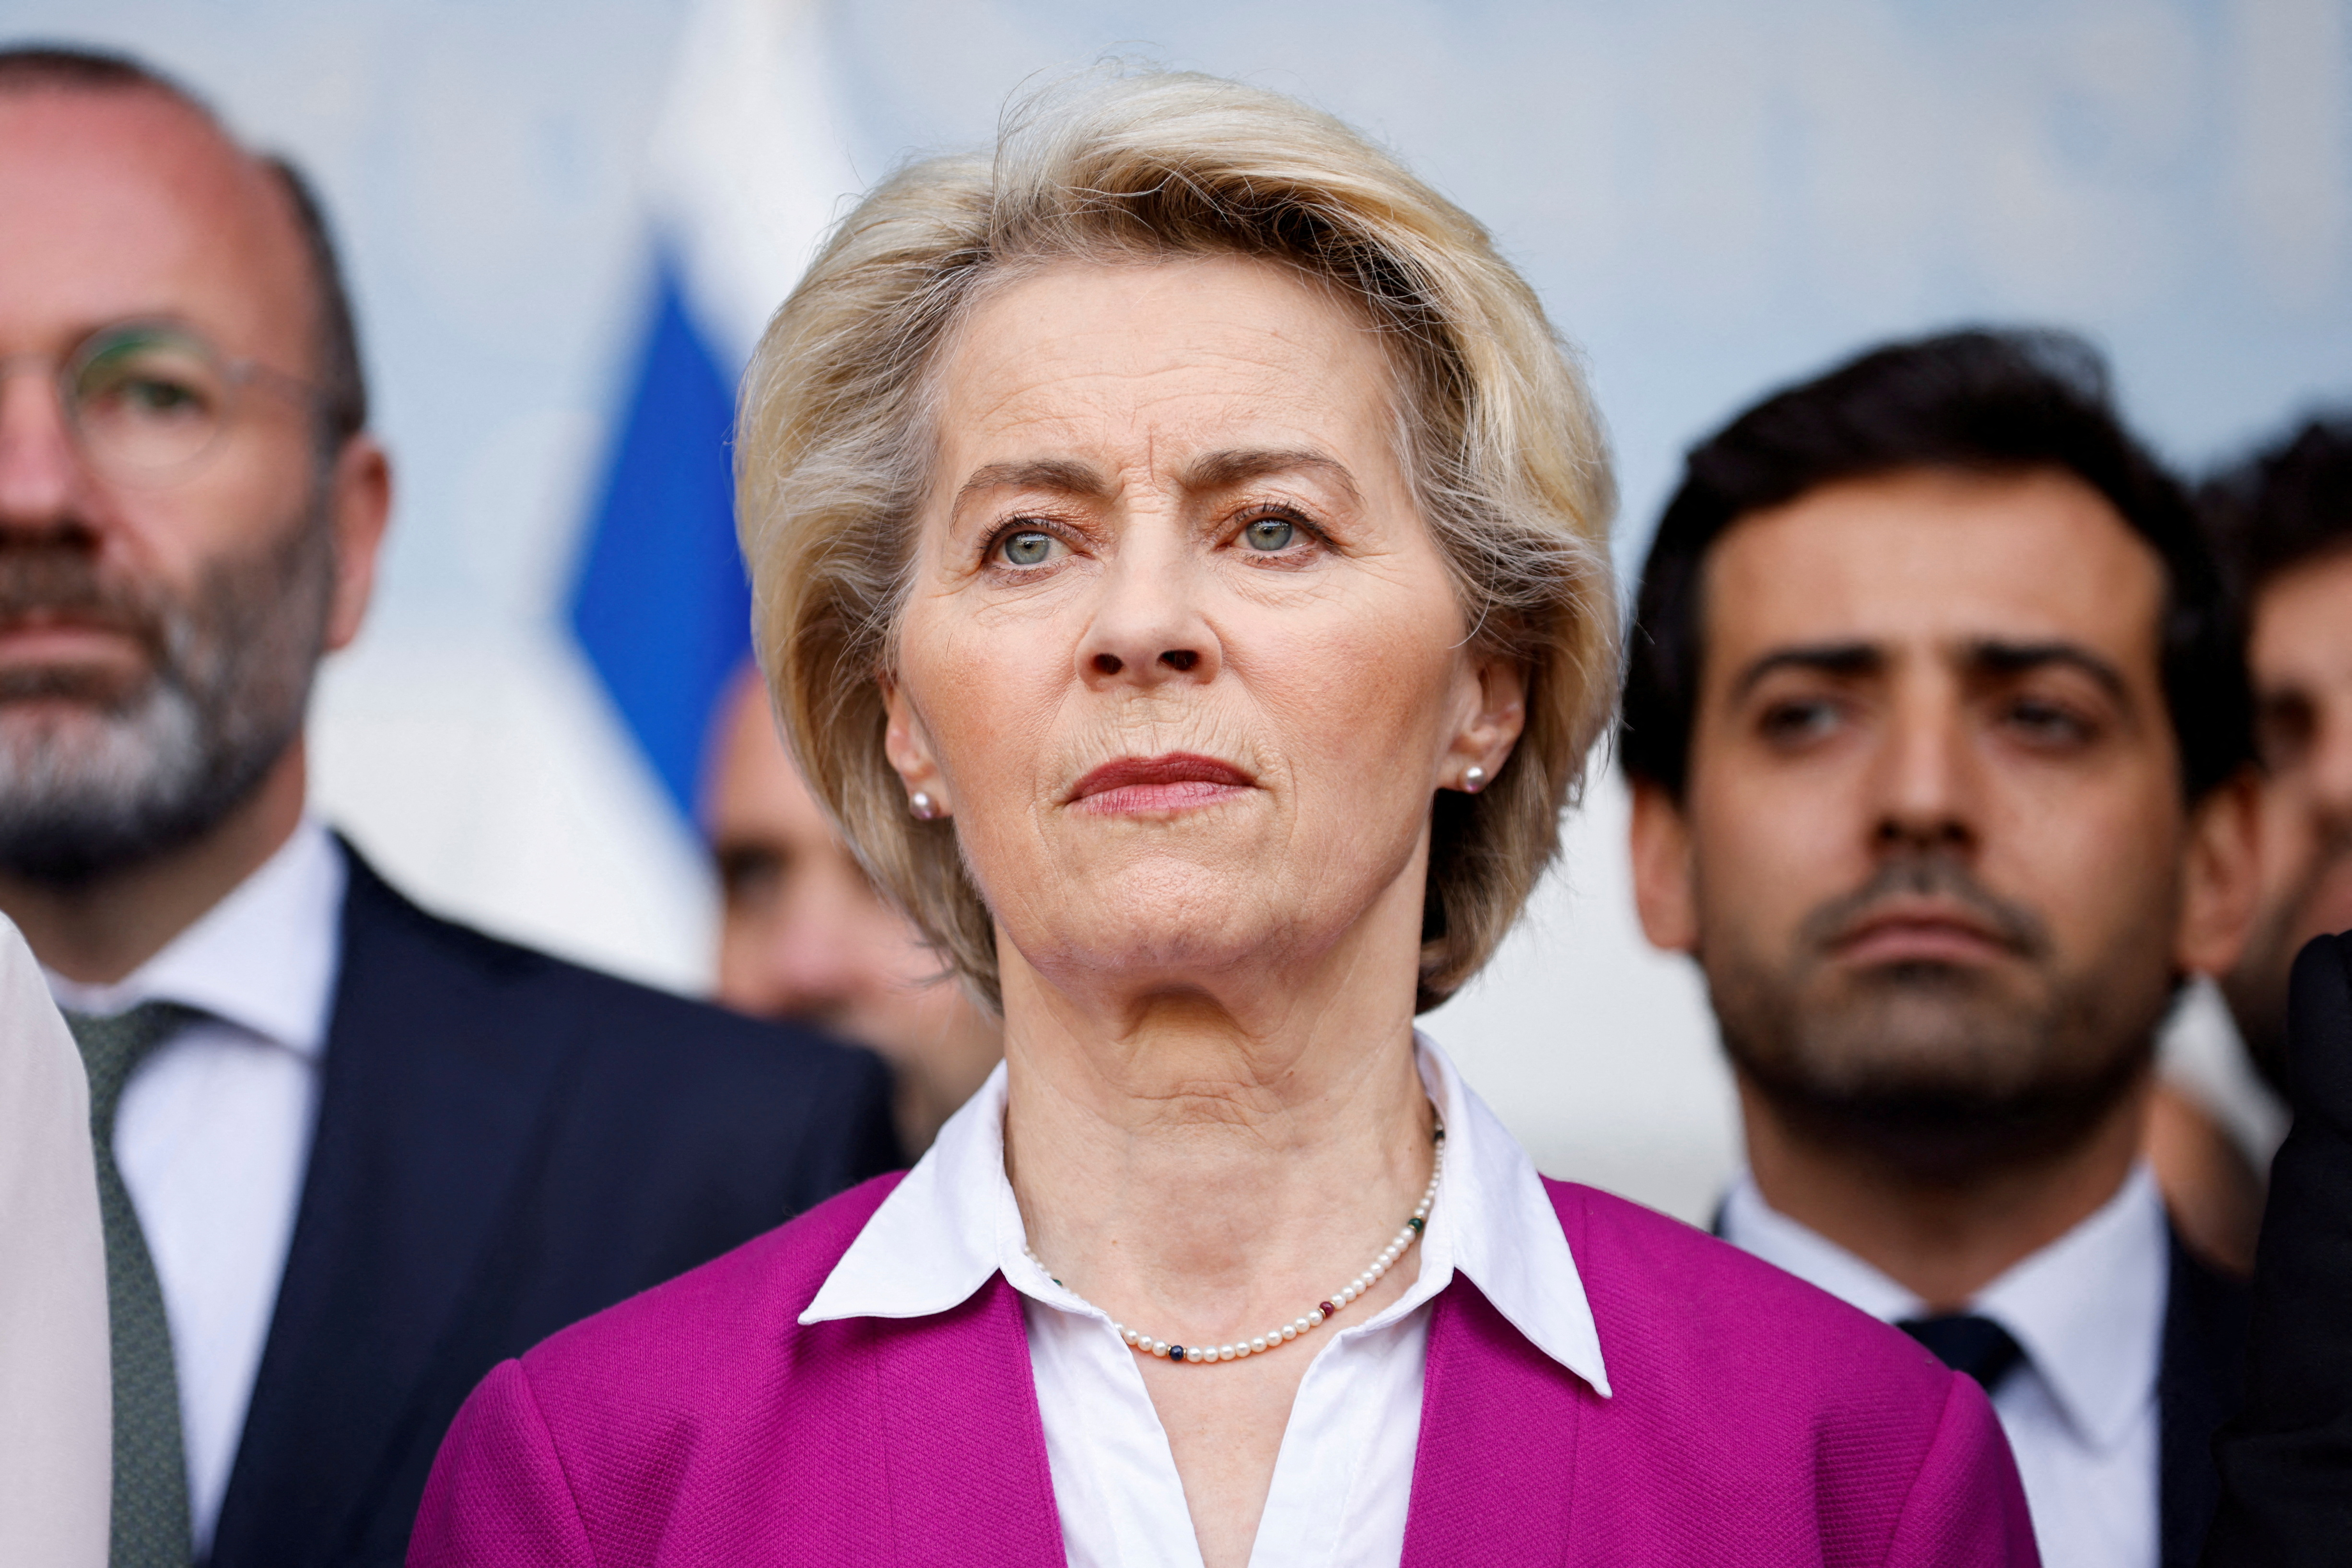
[{"x": 1713, "y": 196}]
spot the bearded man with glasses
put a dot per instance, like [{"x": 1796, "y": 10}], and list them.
[{"x": 349, "y": 1155}]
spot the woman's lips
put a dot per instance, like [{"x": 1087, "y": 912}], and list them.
[{"x": 1133, "y": 786}]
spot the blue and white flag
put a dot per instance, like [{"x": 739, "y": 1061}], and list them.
[{"x": 748, "y": 167}]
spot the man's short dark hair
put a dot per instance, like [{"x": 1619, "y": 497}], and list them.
[
  {"x": 1985, "y": 400},
  {"x": 2288, "y": 504},
  {"x": 339, "y": 378}
]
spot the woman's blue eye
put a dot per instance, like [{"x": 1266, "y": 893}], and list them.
[
  {"x": 1027, "y": 548},
  {"x": 1270, "y": 533}
]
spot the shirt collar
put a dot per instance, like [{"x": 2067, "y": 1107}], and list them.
[
  {"x": 2087, "y": 1309},
  {"x": 953, "y": 1223},
  {"x": 264, "y": 959}
]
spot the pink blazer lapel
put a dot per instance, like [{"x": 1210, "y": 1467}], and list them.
[
  {"x": 965, "y": 1459},
  {"x": 1492, "y": 1472}
]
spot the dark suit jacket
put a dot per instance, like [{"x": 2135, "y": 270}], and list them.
[
  {"x": 2200, "y": 1377},
  {"x": 2287, "y": 1461},
  {"x": 506, "y": 1143},
  {"x": 2199, "y": 1383}
]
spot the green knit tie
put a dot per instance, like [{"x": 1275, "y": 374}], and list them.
[{"x": 150, "y": 1528}]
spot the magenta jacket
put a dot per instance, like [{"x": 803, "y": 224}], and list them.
[{"x": 1755, "y": 1421}]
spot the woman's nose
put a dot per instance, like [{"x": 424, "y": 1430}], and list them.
[{"x": 1148, "y": 628}]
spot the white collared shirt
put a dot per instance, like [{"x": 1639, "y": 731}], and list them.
[
  {"x": 214, "y": 1131},
  {"x": 2080, "y": 1410},
  {"x": 54, "y": 1379},
  {"x": 1343, "y": 1479}
]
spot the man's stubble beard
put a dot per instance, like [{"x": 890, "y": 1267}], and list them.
[
  {"x": 1941, "y": 1074},
  {"x": 100, "y": 780}
]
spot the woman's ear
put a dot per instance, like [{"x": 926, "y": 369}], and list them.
[
  {"x": 2220, "y": 879},
  {"x": 1661, "y": 870},
  {"x": 907, "y": 744},
  {"x": 1497, "y": 714}
]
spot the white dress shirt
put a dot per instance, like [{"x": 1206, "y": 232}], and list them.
[
  {"x": 215, "y": 1128},
  {"x": 1343, "y": 1479},
  {"x": 2080, "y": 1409},
  {"x": 56, "y": 1387}
]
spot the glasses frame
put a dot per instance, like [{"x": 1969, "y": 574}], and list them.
[{"x": 238, "y": 376}]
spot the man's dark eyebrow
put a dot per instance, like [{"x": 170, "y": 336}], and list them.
[
  {"x": 1991, "y": 656},
  {"x": 1222, "y": 470},
  {"x": 1041, "y": 474},
  {"x": 1848, "y": 660}
]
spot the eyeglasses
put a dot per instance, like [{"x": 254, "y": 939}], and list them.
[{"x": 148, "y": 402}]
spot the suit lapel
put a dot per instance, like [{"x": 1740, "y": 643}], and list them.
[
  {"x": 1498, "y": 1419},
  {"x": 2199, "y": 1381},
  {"x": 428, "y": 1102},
  {"x": 966, "y": 1461}
]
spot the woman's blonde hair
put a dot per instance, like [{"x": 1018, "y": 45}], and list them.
[{"x": 1497, "y": 431}]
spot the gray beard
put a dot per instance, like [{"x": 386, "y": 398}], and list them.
[{"x": 94, "y": 780}]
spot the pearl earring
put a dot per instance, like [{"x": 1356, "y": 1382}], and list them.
[
  {"x": 925, "y": 808},
  {"x": 1473, "y": 779}
]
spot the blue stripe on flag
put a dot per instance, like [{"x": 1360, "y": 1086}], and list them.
[{"x": 661, "y": 607}]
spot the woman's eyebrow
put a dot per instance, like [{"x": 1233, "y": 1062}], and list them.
[
  {"x": 1064, "y": 475},
  {"x": 1236, "y": 466}
]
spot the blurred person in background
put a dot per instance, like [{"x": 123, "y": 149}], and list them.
[
  {"x": 2282, "y": 522},
  {"x": 2284, "y": 519},
  {"x": 1938, "y": 740},
  {"x": 2287, "y": 1456},
  {"x": 804, "y": 932},
  {"x": 1180, "y": 546},
  {"x": 351, "y": 1155}
]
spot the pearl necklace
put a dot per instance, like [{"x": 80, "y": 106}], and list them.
[{"x": 1398, "y": 1246}]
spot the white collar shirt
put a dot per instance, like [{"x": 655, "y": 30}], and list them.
[
  {"x": 1343, "y": 1478},
  {"x": 214, "y": 1131},
  {"x": 2080, "y": 1410}
]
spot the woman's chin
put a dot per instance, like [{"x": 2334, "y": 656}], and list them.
[{"x": 1149, "y": 943}]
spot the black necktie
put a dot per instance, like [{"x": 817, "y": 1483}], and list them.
[
  {"x": 150, "y": 1522},
  {"x": 1964, "y": 1343}
]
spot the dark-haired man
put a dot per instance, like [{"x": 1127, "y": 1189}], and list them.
[
  {"x": 349, "y": 1155},
  {"x": 2285, "y": 521},
  {"x": 1937, "y": 742}
]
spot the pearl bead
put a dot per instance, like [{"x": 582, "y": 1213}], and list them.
[{"x": 1323, "y": 1311}]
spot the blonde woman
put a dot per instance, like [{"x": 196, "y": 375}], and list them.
[{"x": 1180, "y": 548}]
